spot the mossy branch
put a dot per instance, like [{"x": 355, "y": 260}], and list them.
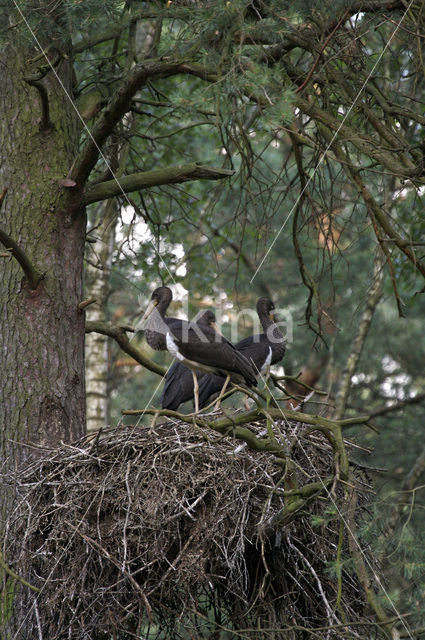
[
  {"x": 146, "y": 179},
  {"x": 234, "y": 425},
  {"x": 14, "y": 575},
  {"x": 297, "y": 500},
  {"x": 120, "y": 336},
  {"x": 320, "y": 423},
  {"x": 224, "y": 426}
]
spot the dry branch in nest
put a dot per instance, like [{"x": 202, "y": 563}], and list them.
[{"x": 174, "y": 531}]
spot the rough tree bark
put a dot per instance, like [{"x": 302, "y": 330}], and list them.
[{"x": 42, "y": 356}]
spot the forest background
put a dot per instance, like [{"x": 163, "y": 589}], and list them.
[{"x": 231, "y": 150}]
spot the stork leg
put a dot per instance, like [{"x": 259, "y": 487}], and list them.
[
  {"x": 222, "y": 392},
  {"x": 196, "y": 391},
  {"x": 266, "y": 385}
]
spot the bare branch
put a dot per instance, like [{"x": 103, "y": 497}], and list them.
[
  {"x": 33, "y": 276},
  {"x": 306, "y": 276},
  {"x": 398, "y": 406},
  {"x": 325, "y": 425},
  {"x": 85, "y": 303},
  {"x": 236, "y": 248}
]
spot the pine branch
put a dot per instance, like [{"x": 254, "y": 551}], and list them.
[
  {"x": 393, "y": 109},
  {"x": 408, "y": 486},
  {"x": 117, "y": 106},
  {"x": 360, "y": 565},
  {"x": 33, "y": 276},
  {"x": 146, "y": 179},
  {"x": 113, "y": 31},
  {"x": 120, "y": 336},
  {"x": 200, "y": 71},
  {"x": 371, "y": 6},
  {"x": 362, "y": 143},
  {"x": 376, "y": 213}
]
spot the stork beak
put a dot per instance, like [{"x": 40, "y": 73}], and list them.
[
  {"x": 151, "y": 306},
  {"x": 216, "y": 329}
]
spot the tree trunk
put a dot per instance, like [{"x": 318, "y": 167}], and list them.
[
  {"x": 97, "y": 286},
  {"x": 42, "y": 356}
]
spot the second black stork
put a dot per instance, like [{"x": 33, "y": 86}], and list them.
[
  {"x": 178, "y": 385},
  {"x": 262, "y": 350},
  {"x": 201, "y": 349}
]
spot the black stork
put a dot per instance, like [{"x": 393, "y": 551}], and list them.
[
  {"x": 199, "y": 348},
  {"x": 178, "y": 386},
  {"x": 262, "y": 350}
]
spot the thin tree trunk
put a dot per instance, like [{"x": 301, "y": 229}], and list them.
[
  {"x": 97, "y": 286},
  {"x": 373, "y": 297},
  {"x": 141, "y": 39}
]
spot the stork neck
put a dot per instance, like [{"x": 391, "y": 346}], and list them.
[
  {"x": 156, "y": 320},
  {"x": 267, "y": 323},
  {"x": 162, "y": 307}
]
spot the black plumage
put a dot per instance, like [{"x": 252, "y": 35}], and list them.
[
  {"x": 157, "y": 325},
  {"x": 262, "y": 350},
  {"x": 178, "y": 386},
  {"x": 199, "y": 348}
]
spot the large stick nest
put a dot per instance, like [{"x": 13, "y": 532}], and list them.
[{"x": 166, "y": 532}]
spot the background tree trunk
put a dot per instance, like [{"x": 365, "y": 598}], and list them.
[
  {"x": 42, "y": 359},
  {"x": 97, "y": 286}
]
